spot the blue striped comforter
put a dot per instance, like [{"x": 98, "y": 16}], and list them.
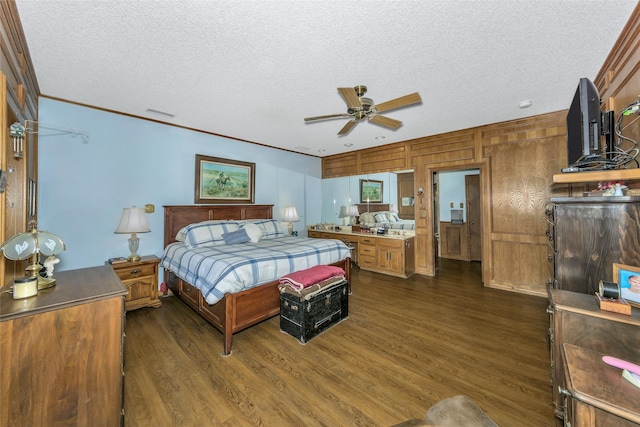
[{"x": 217, "y": 270}]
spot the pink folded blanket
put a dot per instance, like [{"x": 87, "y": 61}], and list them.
[{"x": 305, "y": 278}]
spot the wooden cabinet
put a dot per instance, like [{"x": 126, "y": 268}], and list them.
[
  {"x": 141, "y": 281},
  {"x": 576, "y": 319},
  {"x": 587, "y": 235},
  {"x": 394, "y": 255},
  {"x": 386, "y": 254},
  {"x": 61, "y": 352},
  {"x": 455, "y": 241},
  {"x": 596, "y": 393}
]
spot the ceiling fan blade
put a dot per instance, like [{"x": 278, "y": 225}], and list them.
[
  {"x": 386, "y": 122},
  {"x": 346, "y": 128},
  {"x": 350, "y": 97},
  {"x": 412, "y": 98},
  {"x": 327, "y": 117}
]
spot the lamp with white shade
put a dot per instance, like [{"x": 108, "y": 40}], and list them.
[
  {"x": 352, "y": 211},
  {"x": 133, "y": 221},
  {"x": 291, "y": 216},
  {"x": 343, "y": 214}
]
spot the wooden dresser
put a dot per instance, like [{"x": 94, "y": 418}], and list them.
[
  {"x": 596, "y": 393},
  {"x": 62, "y": 352},
  {"x": 576, "y": 321}
]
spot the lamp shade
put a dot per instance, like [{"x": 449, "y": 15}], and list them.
[
  {"x": 393, "y": 208},
  {"x": 343, "y": 212},
  {"x": 352, "y": 210},
  {"x": 133, "y": 220},
  {"x": 291, "y": 214},
  {"x": 23, "y": 245}
]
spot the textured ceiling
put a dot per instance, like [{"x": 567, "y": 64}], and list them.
[{"x": 253, "y": 70}]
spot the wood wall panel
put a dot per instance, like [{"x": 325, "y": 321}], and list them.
[
  {"x": 340, "y": 165},
  {"x": 384, "y": 158},
  {"x": 520, "y": 177},
  {"x": 519, "y": 266}
]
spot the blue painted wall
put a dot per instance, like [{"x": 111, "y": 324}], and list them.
[{"x": 83, "y": 186}]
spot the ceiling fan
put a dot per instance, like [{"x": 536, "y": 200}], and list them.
[{"x": 359, "y": 107}]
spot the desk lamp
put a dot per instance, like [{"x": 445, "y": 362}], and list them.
[{"x": 31, "y": 244}]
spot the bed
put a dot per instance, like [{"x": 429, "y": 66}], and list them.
[
  {"x": 378, "y": 215},
  {"x": 234, "y": 310}
]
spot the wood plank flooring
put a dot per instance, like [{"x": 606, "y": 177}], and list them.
[{"x": 406, "y": 345}]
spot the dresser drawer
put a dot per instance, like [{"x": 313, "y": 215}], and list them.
[
  {"x": 367, "y": 261},
  {"x": 189, "y": 293},
  {"x": 366, "y": 250},
  {"x": 126, "y": 272}
]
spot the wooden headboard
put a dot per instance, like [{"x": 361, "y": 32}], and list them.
[
  {"x": 372, "y": 207},
  {"x": 176, "y": 217}
]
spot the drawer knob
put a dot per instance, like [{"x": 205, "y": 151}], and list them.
[{"x": 136, "y": 271}]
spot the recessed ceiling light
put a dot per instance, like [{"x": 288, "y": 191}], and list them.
[
  {"x": 321, "y": 150},
  {"x": 525, "y": 104},
  {"x": 348, "y": 144},
  {"x": 380, "y": 138}
]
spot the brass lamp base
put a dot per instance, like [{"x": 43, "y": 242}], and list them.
[{"x": 46, "y": 282}]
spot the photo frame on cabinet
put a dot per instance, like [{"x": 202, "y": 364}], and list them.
[
  {"x": 220, "y": 180},
  {"x": 370, "y": 191},
  {"x": 628, "y": 279}
]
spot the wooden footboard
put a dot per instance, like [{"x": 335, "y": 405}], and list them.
[{"x": 237, "y": 311}]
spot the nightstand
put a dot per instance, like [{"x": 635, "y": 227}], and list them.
[{"x": 141, "y": 280}]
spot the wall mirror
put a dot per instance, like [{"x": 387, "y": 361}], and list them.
[{"x": 345, "y": 191}]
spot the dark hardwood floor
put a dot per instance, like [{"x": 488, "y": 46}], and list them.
[{"x": 406, "y": 345}]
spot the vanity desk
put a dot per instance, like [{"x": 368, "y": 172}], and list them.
[{"x": 391, "y": 254}]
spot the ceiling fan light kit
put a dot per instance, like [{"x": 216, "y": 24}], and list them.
[{"x": 359, "y": 107}]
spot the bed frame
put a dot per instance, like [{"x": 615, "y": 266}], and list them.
[
  {"x": 237, "y": 311},
  {"x": 372, "y": 207}
]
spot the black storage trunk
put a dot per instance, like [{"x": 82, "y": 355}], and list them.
[{"x": 305, "y": 318}]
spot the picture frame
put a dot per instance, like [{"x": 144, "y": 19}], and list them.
[
  {"x": 219, "y": 181},
  {"x": 628, "y": 279},
  {"x": 370, "y": 191}
]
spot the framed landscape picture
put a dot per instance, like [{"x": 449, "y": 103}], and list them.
[
  {"x": 224, "y": 181},
  {"x": 628, "y": 279},
  {"x": 370, "y": 191}
]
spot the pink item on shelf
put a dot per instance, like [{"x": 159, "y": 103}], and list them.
[{"x": 622, "y": 364}]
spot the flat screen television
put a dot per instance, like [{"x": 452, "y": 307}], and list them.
[{"x": 583, "y": 125}]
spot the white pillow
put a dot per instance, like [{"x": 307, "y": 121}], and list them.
[
  {"x": 208, "y": 234},
  {"x": 380, "y": 217},
  {"x": 253, "y": 231},
  {"x": 270, "y": 228},
  {"x": 367, "y": 218}
]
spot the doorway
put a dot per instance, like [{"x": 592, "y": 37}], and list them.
[{"x": 457, "y": 215}]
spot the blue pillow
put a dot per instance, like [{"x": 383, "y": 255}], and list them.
[{"x": 234, "y": 237}]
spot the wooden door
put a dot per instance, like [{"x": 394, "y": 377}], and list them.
[{"x": 474, "y": 225}]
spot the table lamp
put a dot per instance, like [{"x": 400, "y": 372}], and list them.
[
  {"x": 31, "y": 244},
  {"x": 291, "y": 216},
  {"x": 352, "y": 211},
  {"x": 133, "y": 221}
]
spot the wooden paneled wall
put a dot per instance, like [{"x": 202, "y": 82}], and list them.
[
  {"x": 18, "y": 96},
  {"x": 517, "y": 161}
]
